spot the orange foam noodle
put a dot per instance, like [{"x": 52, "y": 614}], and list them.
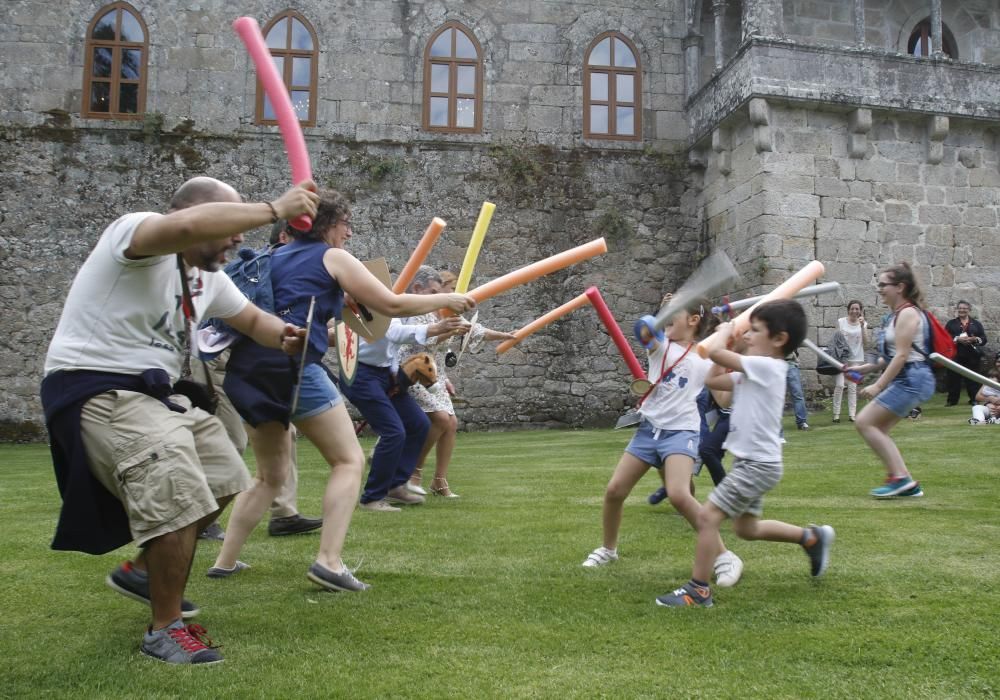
[
  {"x": 531, "y": 272},
  {"x": 543, "y": 321},
  {"x": 418, "y": 256},
  {"x": 786, "y": 290}
]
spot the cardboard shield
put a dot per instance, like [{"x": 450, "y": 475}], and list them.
[
  {"x": 347, "y": 352},
  {"x": 369, "y": 324}
]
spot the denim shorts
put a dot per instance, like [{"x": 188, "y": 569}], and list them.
[
  {"x": 653, "y": 446},
  {"x": 318, "y": 393},
  {"x": 912, "y": 386}
]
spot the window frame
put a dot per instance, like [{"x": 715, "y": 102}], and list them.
[
  {"x": 453, "y": 62},
  {"x": 115, "y": 81},
  {"x": 286, "y": 54},
  {"x": 612, "y": 103},
  {"x": 923, "y": 29}
]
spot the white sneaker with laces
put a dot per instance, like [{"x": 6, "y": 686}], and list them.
[
  {"x": 728, "y": 569},
  {"x": 600, "y": 557}
]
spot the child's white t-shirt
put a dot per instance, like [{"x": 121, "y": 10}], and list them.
[
  {"x": 673, "y": 403},
  {"x": 758, "y": 401}
]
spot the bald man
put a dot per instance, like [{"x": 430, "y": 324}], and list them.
[{"x": 134, "y": 460}]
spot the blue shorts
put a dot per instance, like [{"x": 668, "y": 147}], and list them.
[
  {"x": 318, "y": 393},
  {"x": 653, "y": 446},
  {"x": 912, "y": 386}
]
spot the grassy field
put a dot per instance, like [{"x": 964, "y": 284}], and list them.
[{"x": 484, "y": 596}]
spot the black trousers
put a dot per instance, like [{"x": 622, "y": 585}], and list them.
[{"x": 956, "y": 380}]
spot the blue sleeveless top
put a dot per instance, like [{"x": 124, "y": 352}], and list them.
[
  {"x": 297, "y": 274},
  {"x": 259, "y": 381}
]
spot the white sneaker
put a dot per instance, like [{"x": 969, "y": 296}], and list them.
[
  {"x": 728, "y": 569},
  {"x": 600, "y": 557},
  {"x": 381, "y": 506},
  {"x": 416, "y": 489}
]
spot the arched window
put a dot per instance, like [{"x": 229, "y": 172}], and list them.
[
  {"x": 295, "y": 52},
  {"x": 114, "y": 65},
  {"x": 612, "y": 89},
  {"x": 921, "y": 41},
  {"x": 453, "y": 81}
]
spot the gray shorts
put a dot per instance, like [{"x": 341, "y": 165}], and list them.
[{"x": 743, "y": 489}]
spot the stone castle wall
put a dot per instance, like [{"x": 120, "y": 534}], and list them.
[
  {"x": 859, "y": 191},
  {"x": 60, "y": 186}
]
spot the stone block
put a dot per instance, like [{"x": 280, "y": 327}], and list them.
[
  {"x": 876, "y": 170},
  {"x": 864, "y": 210},
  {"x": 786, "y": 227},
  {"x": 931, "y": 214},
  {"x": 831, "y": 187},
  {"x": 980, "y": 216},
  {"x": 831, "y": 207},
  {"x": 786, "y": 184},
  {"x": 898, "y": 213}
]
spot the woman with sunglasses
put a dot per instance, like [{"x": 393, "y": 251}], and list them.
[{"x": 906, "y": 382}]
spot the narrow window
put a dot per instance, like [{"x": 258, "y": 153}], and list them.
[
  {"x": 114, "y": 65},
  {"x": 453, "y": 81},
  {"x": 921, "y": 41},
  {"x": 295, "y": 52},
  {"x": 612, "y": 89}
]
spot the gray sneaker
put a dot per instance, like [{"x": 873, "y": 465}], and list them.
[
  {"x": 343, "y": 581},
  {"x": 134, "y": 584},
  {"x": 819, "y": 553},
  {"x": 219, "y": 572},
  {"x": 178, "y": 643}
]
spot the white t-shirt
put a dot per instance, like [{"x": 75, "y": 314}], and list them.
[
  {"x": 673, "y": 403},
  {"x": 855, "y": 340},
  {"x": 125, "y": 316},
  {"x": 758, "y": 400}
]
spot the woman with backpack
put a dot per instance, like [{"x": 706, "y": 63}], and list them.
[
  {"x": 260, "y": 383},
  {"x": 905, "y": 383},
  {"x": 854, "y": 329}
]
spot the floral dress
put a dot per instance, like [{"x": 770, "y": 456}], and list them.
[{"x": 435, "y": 397}]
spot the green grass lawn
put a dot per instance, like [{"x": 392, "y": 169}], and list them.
[{"x": 484, "y": 596}]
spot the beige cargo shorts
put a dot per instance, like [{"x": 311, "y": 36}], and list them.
[{"x": 167, "y": 468}]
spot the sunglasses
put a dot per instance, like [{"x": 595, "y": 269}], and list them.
[{"x": 880, "y": 285}]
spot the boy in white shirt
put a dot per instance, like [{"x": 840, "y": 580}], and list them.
[{"x": 758, "y": 386}]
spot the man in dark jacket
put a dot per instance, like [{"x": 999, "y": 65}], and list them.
[{"x": 970, "y": 338}]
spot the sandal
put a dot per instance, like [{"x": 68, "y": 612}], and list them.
[{"x": 439, "y": 487}]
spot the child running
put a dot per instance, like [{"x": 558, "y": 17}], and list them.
[
  {"x": 758, "y": 386},
  {"x": 667, "y": 435}
]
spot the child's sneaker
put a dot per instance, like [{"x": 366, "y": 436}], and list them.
[
  {"x": 819, "y": 552},
  {"x": 600, "y": 557},
  {"x": 178, "y": 643},
  {"x": 686, "y": 595},
  {"x": 893, "y": 487},
  {"x": 134, "y": 584},
  {"x": 728, "y": 569},
  {"x": 915, "y": 492},
  {"x": 658, "y": 496}
]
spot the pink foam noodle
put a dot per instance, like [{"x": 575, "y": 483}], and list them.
[
  {"x": 288, "y": 123},
  {"x": 543, "y": 321},
  {"x": 786, "y": 290},
  {"x": 419, "y": 254},
  {"x": 597, "y": 301}
]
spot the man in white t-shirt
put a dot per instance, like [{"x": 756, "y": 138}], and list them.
[{"x": 133, "y": 459}]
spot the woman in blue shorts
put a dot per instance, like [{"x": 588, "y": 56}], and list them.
[
  {"x": 906, "y": 382},
  {"x": 260, "y": 383}
]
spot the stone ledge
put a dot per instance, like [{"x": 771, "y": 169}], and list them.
[{"x": 848, "y": 78}]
